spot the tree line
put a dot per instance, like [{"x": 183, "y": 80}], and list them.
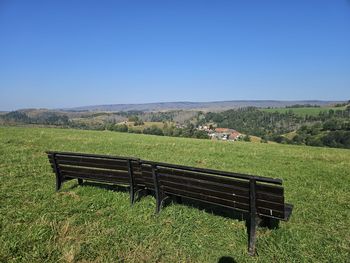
[
  {"x": 45, "y": 118},
  {"x": 50, "y": 118}
]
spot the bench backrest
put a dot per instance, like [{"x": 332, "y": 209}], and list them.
[
  {"x": 103, "y": 168},
  {"x": 231, "y": 190}
]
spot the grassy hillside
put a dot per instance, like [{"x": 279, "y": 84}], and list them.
[
  {"x": 312, "y": 111},
  {"x": 88, "y": 223}
]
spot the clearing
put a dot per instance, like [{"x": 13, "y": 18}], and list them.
[{"x": 89, "y": 223}]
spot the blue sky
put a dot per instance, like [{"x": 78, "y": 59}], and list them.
[{"x": 74, "y": 53}]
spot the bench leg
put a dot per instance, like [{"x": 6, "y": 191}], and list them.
[
  {"x": 80, "y": 181},
  {"x": 58, "y": 182},
  {"x": 159, "y": 202},
  {"x": 132, "y": 196},
  {"x": 253, "y": 223},
  {"x": 133, "y": 192}
]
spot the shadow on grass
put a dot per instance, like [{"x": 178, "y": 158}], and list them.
[
  {"x": 227, "y": 259},
  {"x": 209, "y": 208},
  {"x": 111, "y": 187}
]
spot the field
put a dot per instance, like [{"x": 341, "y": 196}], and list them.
[
  {"x": 94, "y": 224},
  {"x": 312, "y": 111}
]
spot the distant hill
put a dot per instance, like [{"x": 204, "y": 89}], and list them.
[{"x": 204, "y": 106}]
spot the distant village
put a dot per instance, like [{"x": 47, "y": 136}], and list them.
[
  {"x": 213, "y": 132},
  {"x": 223, "y": 134}
]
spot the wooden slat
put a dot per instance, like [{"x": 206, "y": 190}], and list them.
[
  {"x": 146, "y": 176},
  {"x": 94, "y": 171},
  {"x": 89, "y": 159},
  {"x": 93, "y": 165},
  {"x": 269, "y": 189},
  {"x": 224, "y": 188},
  {"x": 143, "y": 176},
  {"x": 270, "y": 213},
  {"x": 215, "y": 172},
  {"x": 140, "y": 179},
  {"x": 136, "y": 167},
  {"x": 109, "y": 179},
  {"x": 93, "y": 160},
  {"x": 146, "y": 167},
  {"x": 270, "y": 197},
  {"x": 230, "y": 197},
  {"x": 270, "y": 205},
  {"x": 146, "y": 173},
  {"x": 205, "y": 177},
  {"x": 49, "y": 153},
  {"x": 205, "y": 198},
  {"x": 148, "y": 186}
]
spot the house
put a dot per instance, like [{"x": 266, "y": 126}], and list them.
[
  {"x": 224, "y": 134},
  {"x": 234, "y": 136},
  {"x": 223, "y": 130}
]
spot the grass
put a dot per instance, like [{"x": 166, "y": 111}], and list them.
[
  {"x": 92, "y": 224},
  {"x": 312, "y": 111}
]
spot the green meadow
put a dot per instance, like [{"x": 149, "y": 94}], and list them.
[{"x": 95, "y": 224}]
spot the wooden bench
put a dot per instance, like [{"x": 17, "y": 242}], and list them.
[
  {"x": 93, "y": 167},
  {"x": 261, "y": 198}
]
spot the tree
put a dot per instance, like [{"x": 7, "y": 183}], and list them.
[{"x": 331, "y": 125}]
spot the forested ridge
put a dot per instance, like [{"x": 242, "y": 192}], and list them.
[{"x": 330, "y": 128}]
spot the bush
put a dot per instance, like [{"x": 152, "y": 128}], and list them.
[
  {"x": 153, "y": 130},
  {"x": 131, "y": 130},
  {"x": 121, "y": 128},
  {"x": 338, "y": 139},
  {"x": 247, "y": 138},
  {"x": 200, "y": 135},
  {"x": 177, "y": 132},
  {"x": 314, "y": 141},
  {"x": 298, "y": 139},
  {"x": 331, "y": 125},
  {"x": 138, "y": 123}
]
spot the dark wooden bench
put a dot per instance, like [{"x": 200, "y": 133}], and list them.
[
  {"x": 261, "y": 198},
  {"x": 93, "y": 167}
]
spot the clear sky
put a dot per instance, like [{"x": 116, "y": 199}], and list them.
[{"x": 74, "y": 53}]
